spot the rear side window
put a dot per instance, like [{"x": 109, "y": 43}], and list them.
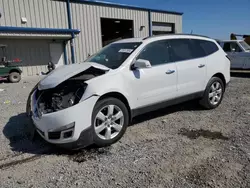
[
  {"x": 181, "y": 49},
  {"x": 208, "y": 46},
  {"x": 197, "y": 50}
]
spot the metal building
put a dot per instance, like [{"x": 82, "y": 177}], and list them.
[{"x": 67, "y": 31}]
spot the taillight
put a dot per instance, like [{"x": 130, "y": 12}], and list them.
[{"x": 16, "y": 60}]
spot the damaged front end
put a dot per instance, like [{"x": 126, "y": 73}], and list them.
[
  {"x": 66, "y": 94},
  {"x": 63, "y": 96}
]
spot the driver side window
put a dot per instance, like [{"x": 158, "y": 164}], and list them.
[{"x": 156, "y": 53}]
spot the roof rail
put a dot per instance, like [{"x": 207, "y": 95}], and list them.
[{"x": 170, "y": 34}]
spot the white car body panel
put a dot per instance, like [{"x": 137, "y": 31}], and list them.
[
  {"x": 151, "y": 85},
  {"x": 191, "y": 78},
  {"x": 215, "y": 64},
  {"x": 96, "y": 86}
]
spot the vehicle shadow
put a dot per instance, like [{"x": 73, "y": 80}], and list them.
[
  {"x": 187, "y": 106},
  {"x": 240, "y": 74},
  {"x": 18, "y": 131},
  {"x": 3, "y": 81}
]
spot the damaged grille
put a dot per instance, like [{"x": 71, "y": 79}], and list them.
[{"x": 63, "y": 96}]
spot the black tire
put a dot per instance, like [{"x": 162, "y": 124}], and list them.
[
  {"x": 205, "y": 101},
  {"x": 14, "y": 77},
  {"x": 99, "y": 142}
]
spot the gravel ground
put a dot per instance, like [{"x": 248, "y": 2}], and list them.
[{"x": 180, "y": 146}]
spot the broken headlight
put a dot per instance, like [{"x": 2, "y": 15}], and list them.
[{"x": 67, "y": 94}]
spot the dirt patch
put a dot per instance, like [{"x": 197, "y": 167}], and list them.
[{"x": 194, "y": 134}]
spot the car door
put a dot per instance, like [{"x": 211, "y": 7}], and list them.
[
  {"x": 235, "y": 54},
  {"x": 243, "y": 60},
  {"x": 246, "y": 60},
  {"x": 191, "y": 68},
  {"x": 157, "y": 83}
]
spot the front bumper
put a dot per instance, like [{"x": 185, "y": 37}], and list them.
[
  {"x": 74, "y": 122},
  {"x": 85, "y": 139}
]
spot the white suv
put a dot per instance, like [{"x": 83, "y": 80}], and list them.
[{"x": 93, "y": 102}]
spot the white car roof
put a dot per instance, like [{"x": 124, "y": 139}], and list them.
[
  {"x": 129, "y": 40},
  {"x": 167, "y": 36}
]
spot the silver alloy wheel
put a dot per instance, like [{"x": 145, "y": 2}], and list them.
[
  {"x": 215, "y": 93},
  {"x": 109, "y": 122}
]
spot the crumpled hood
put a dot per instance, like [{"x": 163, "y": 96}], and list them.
[{"x": 65, "y": 72}]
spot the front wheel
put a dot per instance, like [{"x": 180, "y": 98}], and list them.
[
  {"x": 110, "y": 119},
  {"x": 213, "y": 94},
  {"x": 14, "y": 77}
]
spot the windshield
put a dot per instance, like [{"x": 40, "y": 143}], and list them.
[
  {"x": 113, "y": 55},
  {"x": 245, "y": 45}
]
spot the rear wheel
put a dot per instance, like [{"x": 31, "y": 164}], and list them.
[
  {"x": 213, "y": 94},
  {"x": 14, "y": 77},
  {"x": 110, "y": 119}
]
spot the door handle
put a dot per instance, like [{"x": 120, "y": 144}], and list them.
[
  {"x": 201, "y": 66},
  {"x": 170, "y": 71}
]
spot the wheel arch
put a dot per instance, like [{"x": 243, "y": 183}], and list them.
[
  {"x": 15, "y": 70},
  {"x": 222, "y": 77},
  {"x": 119, "y": 96}
]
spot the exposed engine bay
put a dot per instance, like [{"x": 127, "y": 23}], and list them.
[{"x": 66, "y": 94}]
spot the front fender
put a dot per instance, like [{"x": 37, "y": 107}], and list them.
[
  {"x": 92, "y": 92},
  {"x": 103, "y": 85}
]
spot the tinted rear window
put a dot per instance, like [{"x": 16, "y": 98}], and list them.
[
  {"x": 185, "y": 49},
  {"x": 208, "y": 46},
  {"x": 197, "y": 50},
  {"x": 180, "y": 50}
]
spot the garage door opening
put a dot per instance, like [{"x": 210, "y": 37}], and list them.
[
  {"x": 161, "y": 28},
  {"x": 115, "y": 29}
]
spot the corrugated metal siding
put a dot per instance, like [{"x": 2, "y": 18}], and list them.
[
  {"x": 39, "y": 13},
  {"x": 87, "y": 19},
  {"x": 34, "y": 54},
  {"x": 169, "y": 18}
]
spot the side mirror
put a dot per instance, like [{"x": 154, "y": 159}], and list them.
[{"x": 141, "y": 64}]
